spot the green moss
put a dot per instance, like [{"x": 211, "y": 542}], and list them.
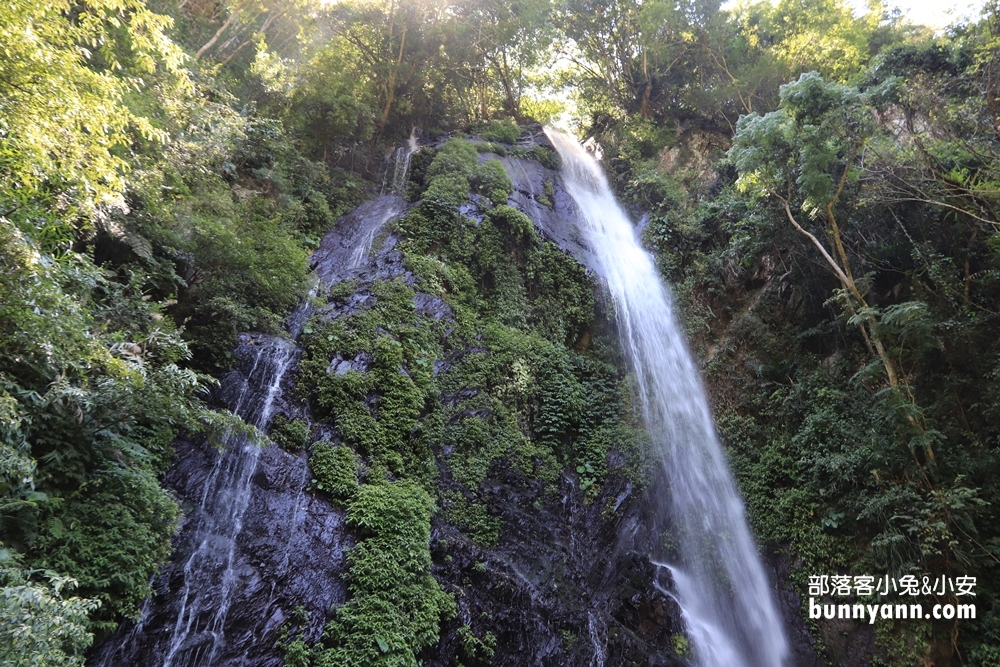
[
  {"x": 546, "y": 199},
  {"x": 396, "y": 606},
  {"x": 544, "y": 155},
  {"x": 377, "y": 410},
  {"x": 483, "y": 527},
  {"x": 523, "y": 388},
  {"x": 515, "y": 224},
  {"x": 342, "y": 291},
  {"x": 490, "y": 147},
  {"x": 562, "y": 295},
  {"x": 447, "y": 175}
]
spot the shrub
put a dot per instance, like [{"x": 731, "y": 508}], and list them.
[
  {"x": 291, "y": 435},
  {"x": 335, "y": 470},
  {"x": 39, "y": 627},
  {"x": 490, "y": 179},
  {"x": 544, "y": 155},
  {"x": 447, "y": 191},
  {"x": 505, "y": 131},
  {"x": 516, "y": 224},
  {"x": 112, "y": 536},
  {"x": 455, "y": 157},
  {"x": 396, "y": 606}
]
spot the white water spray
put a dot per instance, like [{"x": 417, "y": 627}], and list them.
[
  {"x": 718, "y": 579},
  {"x": 401, "y": 165}
]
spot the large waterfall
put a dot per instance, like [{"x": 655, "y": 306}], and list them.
[{"x": 718, "y": 579}]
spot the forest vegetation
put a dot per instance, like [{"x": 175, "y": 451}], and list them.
[{"x": 821, "y": 187}]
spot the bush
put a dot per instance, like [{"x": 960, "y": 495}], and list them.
[
  {"x": 490, "y": 179},
  {"x": 447, "y": 191},
  {"x": 335, "y": 470},
  {"x": 112, "y": 536},
  {"x": 396, "y": 606},
  {"x": 455, "y": 157},
  {"x": 39, "y": 627},
  {"x": 515, "y": 224},
  {"x": 291, "y": 435},
  {"x": 505, "y": 131}
]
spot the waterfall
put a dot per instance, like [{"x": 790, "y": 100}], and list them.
[
  {"x": 209, "y": 577},
  {"x": 224, "y": 599},
  {"x": 718, "y": 579},
  {"x": 383, "y": 209},
  {"x": 196, "y": 636},
  {"x": 401, "y": 165}
]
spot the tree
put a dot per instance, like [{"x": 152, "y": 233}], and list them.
[
  {"x": 39, "y": 627},
  {"x": 804, "y": 155},
  {"x": 509, "y": 40},
  {"x": 62, "y": 90}
]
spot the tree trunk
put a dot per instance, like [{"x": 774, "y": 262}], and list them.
[{"x": 215, "y": 38}]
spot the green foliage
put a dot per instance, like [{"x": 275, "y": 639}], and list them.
[
  {"x": 505, "y": 131},
  {"x": 291, "y": 435},
  {"x": 447, "y": 191},
  {"x": 449, "y": 173},
  {"x": 489, "y": 147},
  {"x": 91, "y": 401},
  {"x": 335, "y": 470},
  {"x": 172, "y": 207},
  {"x": 457, "y": 156},
  {"x": 333, "y": 102},
  {"x": 133, "y": 249},
  {"x": 474, "y": 649},
  {"x": 802, "y": 143},
  {"x": 111, "y": 535},
  {"x": 490, "y": 179},
  {"x": 39, "y": 626},
  {"x": 234, "y": 253},
  {"x": 51, "y": 142},
  {"x": 396, "y": 606},
  {"x": 544, "y": 155},
  {"x": 377, "y": 410}
]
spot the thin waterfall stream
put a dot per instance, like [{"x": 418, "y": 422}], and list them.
[
  {"x": 717, "y": 576},
  {"x": 209, "y": 575},
  {"x": 189, "y": 623}
]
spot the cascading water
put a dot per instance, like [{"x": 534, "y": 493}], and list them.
[
  {"x": 401, "y": 164},
  {"x": 718, "y": 579},
  {"x": 231, "y": 589},
  {"x": 209, "y": 577}
]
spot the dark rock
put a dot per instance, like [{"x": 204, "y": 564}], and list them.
[
  {"x": 432, "y": 306},
  {"x": 556, "y": 589}
]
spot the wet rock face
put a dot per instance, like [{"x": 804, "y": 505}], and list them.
[
  {"x": 846, "y": 642},
  {"x": 559, "y": 588},
  {"x": 287, "y": 554}
]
